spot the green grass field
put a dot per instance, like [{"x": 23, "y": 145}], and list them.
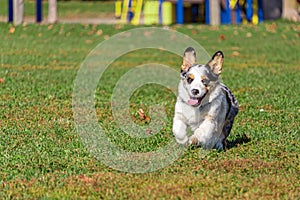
[
  {"x": 75, "y": 9},
  {"x": 42, "y": 156}
]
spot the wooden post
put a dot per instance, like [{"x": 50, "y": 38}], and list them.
[
  {"x": 214, "y": 12},
  {"x": 289, "y": 10},
  {"x": 18, "y": 9},
  {"x": 52, "y": 14}
]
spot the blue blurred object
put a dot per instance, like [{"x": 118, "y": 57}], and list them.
[
  {"x": 10, "y": 11},
  {"x": 39, "y": 11},
  {"x": 231, "y": 12},
  {"x": 179, "y": 12},
  {"x": 226, "y": 14}
]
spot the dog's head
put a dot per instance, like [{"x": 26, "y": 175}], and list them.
[{"x": 198, "y": 79}]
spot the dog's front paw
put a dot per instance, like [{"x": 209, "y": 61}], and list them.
[{"x": 193, "y": 140}]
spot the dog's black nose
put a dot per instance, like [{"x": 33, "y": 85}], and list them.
[{"x": 195, "y": 91}]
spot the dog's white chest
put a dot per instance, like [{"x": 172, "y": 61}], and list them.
[{"x": 192, "y": 116}]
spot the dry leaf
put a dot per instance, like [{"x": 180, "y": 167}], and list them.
[
  {"x": 86, "y": 179},
  {"x": 248, "y": 35},
  {"x": 143, "y": 116},
  {"x": 271, "y": 28},
  {"x": 235, "y": 53},
  {"x": 222, "y": 37},
  {"x": 190, "y": 26},
  {"x": 12, "y": 29},
  {"x": 118, "y": 26},
  {"x": 91, "y": 32},
  {"x": 147, "y": 119},
  {"x": 99, "y": 32}
]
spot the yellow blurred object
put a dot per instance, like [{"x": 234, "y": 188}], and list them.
[
  {"x": 137, "y": 12},
  {"x": 255, "y": 12},
  {"x": 151, "y": 12},
  {"x": 118, "y": 9},
  {"x": 125, "y": 11},
  {"x": 232, "y": 4},
  {"x": 167, "y": 13}
]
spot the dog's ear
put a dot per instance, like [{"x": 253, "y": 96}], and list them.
[
  {"x": 216, "y": 63},
  {"x": 189, "y": 58}
]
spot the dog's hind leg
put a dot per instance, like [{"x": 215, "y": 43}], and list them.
[{"x": 221, "y": 144}]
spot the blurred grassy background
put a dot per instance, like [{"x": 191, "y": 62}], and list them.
[
  {"x": 74, "y": 9},
  {"x": 42, "y": 156}
]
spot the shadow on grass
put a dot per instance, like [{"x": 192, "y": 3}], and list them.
[{"x": 238, "y": 140}]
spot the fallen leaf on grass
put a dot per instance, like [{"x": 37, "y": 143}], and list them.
[
  {"x": 222, "y": 37},
  {"x": 213, "y": 28},
  {"x": 86, "y": 179},
  {"x": 143, "y": 116},
  {"x": 235, "y": 48},
  {"x": 235, "y": 53},
  {"x": 91, "y": 32},
  {"x": 190, "y": 26},
  {"x": 12, "y": 29},
  {"x": 194, "y": 32},
  {"x": 118, "y": 26},
  {"x": 248, "y": 35},
  {"x": 271, "y": 28},
  {"x": 1, "y": 80},
  {"x": 99, "y": 32},
  {"x": 50, "y": 26}
]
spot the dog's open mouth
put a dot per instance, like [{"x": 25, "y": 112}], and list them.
[{"x": 195, "y": 101}]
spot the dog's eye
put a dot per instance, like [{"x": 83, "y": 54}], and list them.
[
  {"x": 190, "y": 78},
  {"x": 204, "y": 80}
]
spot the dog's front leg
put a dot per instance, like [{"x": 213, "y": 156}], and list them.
[
  {"x": 206, "y": 134},
  {"x": 209, "y": 131},
  {"x": 179, "y": 131}
]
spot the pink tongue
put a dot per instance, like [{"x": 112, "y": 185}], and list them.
[{"x": 192, "y": 102}]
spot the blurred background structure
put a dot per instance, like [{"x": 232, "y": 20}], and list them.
[{"x": 150, "y": 12}]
